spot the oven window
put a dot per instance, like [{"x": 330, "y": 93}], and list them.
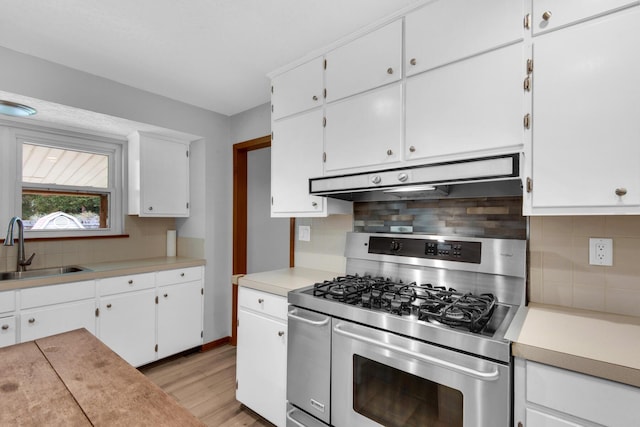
[{"x": 395, "y": 398}]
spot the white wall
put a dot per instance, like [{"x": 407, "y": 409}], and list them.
[
  {"x": 251, "y": 124},
  {"x": 211, "y": 177}
]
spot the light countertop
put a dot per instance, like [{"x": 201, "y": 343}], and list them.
[
  {"x": 594, "y": 343},
  {"x": 106, "y": 269},
  {"x": 280, "y": 282}
]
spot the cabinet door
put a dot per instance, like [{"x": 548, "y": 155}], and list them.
[
  {"x": 364, "y": 131},
  {"x": 446, "y": 31},
  {"x": 7, "y": 331},
  {"x": 297, "y": 90},
  {"x": 127, "y": 324},
  {"x": 261, "y": 365},
  {"x": 51, "y": 320},
  {"x": 585, "y": 116},
  {"x": 470, "y": 106},
  {"x": 553, "y": 14},
  {"x": 164, "y": 178},
  {"x": 179, "y": 318},
  {"x": 296, "y": 156},
  {"x": 369, "y": 61}
]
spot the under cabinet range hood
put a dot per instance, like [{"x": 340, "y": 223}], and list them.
[{"x": 482, "y": 177}]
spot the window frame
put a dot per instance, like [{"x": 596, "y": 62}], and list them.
[{"x": 115, "y": 189}]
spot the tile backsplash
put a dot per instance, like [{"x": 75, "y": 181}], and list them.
[
  {"x": 498, "y": 217},
  {"x": 147, "y": 239},
  {"x": 560, "y": 273}
]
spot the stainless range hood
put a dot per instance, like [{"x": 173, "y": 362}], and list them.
[{"x": 481, "y": 177}]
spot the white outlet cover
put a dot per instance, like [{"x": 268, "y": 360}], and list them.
[
  {"x": 600, "y": 251},
  {"x": 304, "y": 233}
]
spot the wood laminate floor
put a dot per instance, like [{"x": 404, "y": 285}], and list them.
[{"x": 205, "y": 384}]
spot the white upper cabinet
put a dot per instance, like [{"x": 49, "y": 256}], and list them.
[
  {"x": 585, "y": 150},
  {"x": 297, "y": 90},
  {"x": 471, "y": 106},
  {"x": 364, "y": 131},
  {"x": 551, "y": 14},
  {"x": 448, "y": 30},
  {"x": 158, "y": 176},
  {"x": 367, "y": 62}
]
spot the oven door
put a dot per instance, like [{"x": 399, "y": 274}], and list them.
[{"x": 379, "y": 378}]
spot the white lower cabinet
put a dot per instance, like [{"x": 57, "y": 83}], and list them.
[
  {"x": 179, "y": 317},
  {"x": 546, "y": 396},
  {"x": 261, "y": 366},
  {"x": 7, "y": 331},
  {"x": 56, "y": 319}
]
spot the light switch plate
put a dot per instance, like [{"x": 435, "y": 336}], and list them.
[
  {"x": 600, "y": 251},
  {"x": 304, "y": 233}
]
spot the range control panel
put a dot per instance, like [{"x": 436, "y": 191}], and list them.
[{"x": 446, "y": 250}]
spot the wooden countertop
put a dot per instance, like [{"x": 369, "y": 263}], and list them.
[
  {"x": 280, "y": 282},
  {"x": 106, "y": 269},
  {"x": 74, "y": 379},
  {"x": 594, "y": 343}
]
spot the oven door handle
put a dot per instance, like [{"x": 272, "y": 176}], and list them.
[
  {"x": 293, "y": 314},
  {"x": 290, "y": 418},
  {"x": 485, "y": 376}
]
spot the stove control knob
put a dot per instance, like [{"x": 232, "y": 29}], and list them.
[
  {"x": 395, "y": 246},
  {"x": 376, "y": 179}
]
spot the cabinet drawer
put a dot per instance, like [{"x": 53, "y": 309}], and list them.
[
  {"x": 581, "y": 395},
  {"x": 182, "y": 275},
  {"x": 7, "y": 301},
  {"x": 263, "y": 302},
  {"x": 562, "y": 13},
  {"x": 54, "y": 294},
  {"x": 7, "y": 331},
  {"x": 134, "y": 282},
  {"x": 44, "y": 322}
]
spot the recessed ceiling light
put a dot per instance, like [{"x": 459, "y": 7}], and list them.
[{"x": 11, "y": 108}]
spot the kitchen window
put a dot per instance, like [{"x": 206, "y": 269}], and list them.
[{"x": 70, "y": 185}]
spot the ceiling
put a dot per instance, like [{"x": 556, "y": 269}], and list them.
[{"x": 214, "y": 54}]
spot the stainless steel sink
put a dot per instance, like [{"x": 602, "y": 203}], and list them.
[{"x": 41, "y": 272}]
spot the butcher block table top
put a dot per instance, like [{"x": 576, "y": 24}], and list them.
[{"x": 73, "y": 379}]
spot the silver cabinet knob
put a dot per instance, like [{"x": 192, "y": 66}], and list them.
[
  {"x": 412, "y": 149},
  {"x": 402, "y": 177},
  {"x": 314, "y": 204},
  {"x": 389, "y": 70},
  {"x": 166, "y": 295},
  {"x": 280, "y": 333},
  {"x": 621, "y": 191},
  {"x": 260, "y": 300},
  {"x": 314, "y": 97},
  {"x": 376, "y": 179},
  {"x": 32, "y": 320},
  {"x": 546, "y": 15},
  {"x": 181, "y": 274},
  {"x": 108, "y": 305},
  {"x": 413, "y": 61},
  {"x": 389, "y": 152},
  {"x": 130, "y": 282},
  {"x": 5, "y": 327},
  {"x": 150, "y": 208}
]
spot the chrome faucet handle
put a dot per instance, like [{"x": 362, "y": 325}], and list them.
[{"x": 28, "y": 261}]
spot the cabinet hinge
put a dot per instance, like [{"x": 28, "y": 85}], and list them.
[
  {"x": 156, "y": 348},
  {"x": 187, "y": 205},
  {"x": 236, "y": 384},
  {"x": 201, "y": 334},
  {"x": 527, "y": 84},
  {"x": 97, "y": 312},
  {"x": 527, "y": 121},
  {"x": 271, "y": 88},
  {"x": 187, "y": 154},
  {"x": 529, "y": 185},
  {"x": 237, "y": 322},
  {"x": 201, "y": 291},
  {"x": 156, "y": 300},
  {"x": 527, "y": 21},
  {"x": 324, "y": 122},
  {"x": 529, "y": 66},
  {"x": 325, "y": 64},
  {"x": 325, "y": 93},
  {"x": 271, "y": 200},
  {"x": 272, "y": 136},
  {"x": 324, "y": 157}
]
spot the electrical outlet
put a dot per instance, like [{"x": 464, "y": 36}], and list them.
[
  {"x": 600, "y": 251},
  {"x": 304, "y": 233}
]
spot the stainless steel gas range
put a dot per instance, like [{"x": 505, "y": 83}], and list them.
[{"x": 412, "y": 335}]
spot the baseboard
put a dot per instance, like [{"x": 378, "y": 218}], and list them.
[{"x": 214, "y": 344}]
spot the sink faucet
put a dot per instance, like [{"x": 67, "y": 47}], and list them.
[{"x": 8, "y": 241}]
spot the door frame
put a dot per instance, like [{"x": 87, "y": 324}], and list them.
[{"x": 240, "y": 162}]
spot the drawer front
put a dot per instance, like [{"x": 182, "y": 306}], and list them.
[
  {"x": 181, "y": 275},
  {"x": 7, "y": 331},
  {"x": 134, "y": 282},
  {"x": 7, "y": 301},
  {"x": 55, "y": 294},
  {"x": 57, "y": 319},
  {"x": 263, "y": 302}
]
